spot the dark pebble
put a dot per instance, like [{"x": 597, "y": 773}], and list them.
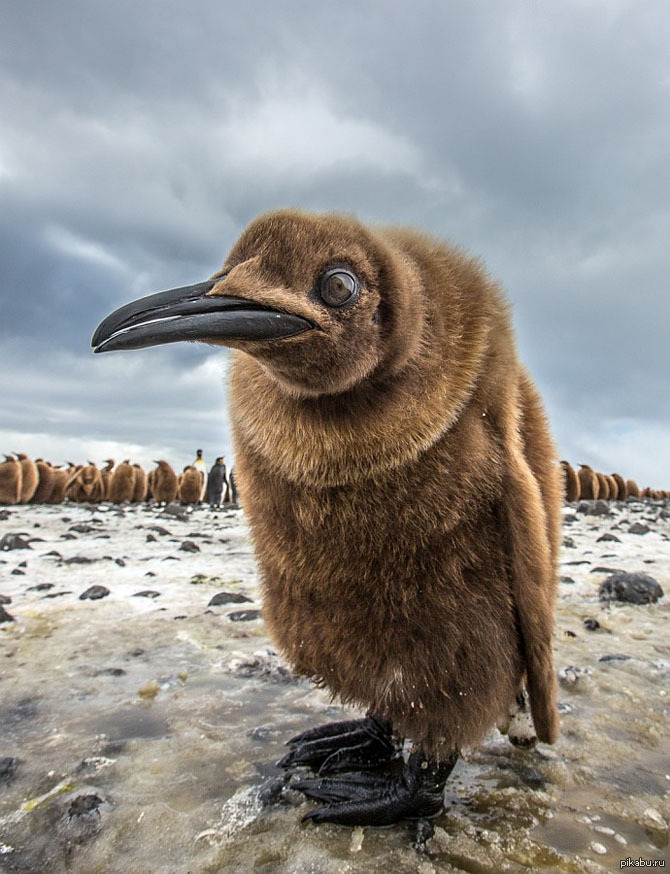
[
  {"x": 568, "y": 581},
  {"x": 18, "y": 573},
  {"x": 120, "y": 562},
  {"x": 181, "y": 616},
  {"x": 160, "y": 530},
  {"x": 5, "y": 599},
  {"x": 593, "y": 508},
  {"x": 605, "y": 570},
  {"x": 151, "y": 538},
  {"x": 147, "y": 593},
  {"x": 189, "y": 546},
  {"x": 228, "y": 598},
  {"x": 630, "y": 589},
  {"x": 637, "y": 528},
  {"x": 40, "y": 587},
  {"x": 570, "y": 634},
  {"x": 5, "y": 616},
  {"x": 244, "y": 615},
  {"x": 56, "y": 594},
  {"x": 150, "y": 574},
  {"x": 136, "y": 652},
  {"x": 591, "y": 624},
  {"x": 7, "y": 768},
  {"x": 94, "y": 593},
  {"x": 110, "y": 672},
  {"x": 4, "y": 515},
  {"x": 79, "y": 559},
  {"x": 608, "y": 537},
  {"x": 577, "y": 561},
  {"x": 569, "y": 543},
  {"x": 569, "y": 518},
  {"x": 81, "y": 528},
  {"x": 13, "y": 541},
  {"x": 54, "y": 553},
  {"x": 171, "y": 558},
  {"x": 68, "y": 537},
  {"x": 614, "y": 657}
]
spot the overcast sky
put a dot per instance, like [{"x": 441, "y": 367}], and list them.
[{"x": 137, "y": 139}]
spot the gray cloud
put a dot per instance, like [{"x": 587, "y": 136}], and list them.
[{"x": 139, "y": 139}]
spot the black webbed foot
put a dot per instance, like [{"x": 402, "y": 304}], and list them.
[
  {"x": 367, "y": 799},
  {"x": 356, "y": 743}
]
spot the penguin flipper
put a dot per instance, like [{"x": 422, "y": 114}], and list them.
[
  {"x": 338, "y": 746},
  {"x": 357, "y": 798}
]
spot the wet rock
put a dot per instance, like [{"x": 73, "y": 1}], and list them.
[
  {"x": 5, "y": 616},
  {"x": 147, "y": 593},
  {"x": 120, "y": 562},
  {"x": 56, "y": 595},
  {"x": 40, "y": 587},
  {"x": 189, "y": 546},
  {"x": 151, "y": 538},
  {"x": 577, "y": 561},
  {"x": 13, "y": 541},
  {"x": 263, "y": 664},
  {"x": 638, "y": 528},
  {"x": 81, "y": 528},
  {"x": 4, "y": 515},
  {"x": 150, "y": 574},
  {"x": 607, "y": 537},
  {"x": 228, "y": 598},
  {"x": 177, "y": 511},
  {"x": 244, "y": 615},
  {"x": 606, "y": 570},
  {"x": 159, "y": 530},
  {"x": 94, "y": 593},
  {"x": 54, "y": 553},
  {"x": 591, "y": 624},
  {"x": 568, "y": 581},
  {"x": 79, "y": 559},
  {"x": 574, "y": 678},
  {"x": 7, "y": 769},
  {"x": 83, "y": 817},
  {"x": 630, "y": 589},
  {"x": 18, "y": 573},
  {"x": 5, "y": 599},
  {"x": 593, "y": 508},
  {"x": 68, "y": 537},
  {"x": 652, "y": 819},
  {"x": 569, "y": 543},
  {"x": 569, "y": 518}
]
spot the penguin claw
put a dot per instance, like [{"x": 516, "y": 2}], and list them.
[
  {"x": 366, "y": 799},
  {"x": 362, "y": 743}
]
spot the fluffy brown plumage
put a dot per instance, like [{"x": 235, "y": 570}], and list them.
[
  {"x": 10, "y": 480},
  {"x": 45, "y": 483},
  {"x": 190, "y": 486},
  {"x": 603, "y": 487},
  {"x": 106, "y": 473},
  {"x": 164, "y": 483},
  {"x": 397, "y": 471},
  {"x": 141, "y": 486},
  {"x": 29, "y": 477},
  {"x": 122, "y": 483},
  {"x": 632, "y": 489},
  {"x": 588, "y": 482},
  {"x": 570, "y": 482},
  {"x": 622, "y": 493}
]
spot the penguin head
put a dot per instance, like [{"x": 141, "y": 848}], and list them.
[{"x": 320, "y": 301}]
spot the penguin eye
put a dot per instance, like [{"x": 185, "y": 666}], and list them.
[{"x": 338, "y": 286}]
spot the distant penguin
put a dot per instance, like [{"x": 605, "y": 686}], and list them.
[
  {"x": 632, "y": 489},
  {"x": 106, "y": 474},
  {"x": 11, "y": 476},
  {"x": 141, "y": 489},
  {"x": 570, "y": 482},
  {"x": 45, "y": 484},
  {"x": 396, "y": 469},
  {"x": 60, "y": 478},
  {"x": 190, "y": 486},
  {"x": 614, "y": 488},
  {"x": 29, "y": 477},
  {"x": 588, "y": 483},
  {"x": 199, "y": 464},
  {"x": 122, "y": 483},
  {"x": 164, "y": 486},
  {"x": 645, "y": 493},
  {"x": 603, "y": 487},
  {"x": 621, "y": 487}
]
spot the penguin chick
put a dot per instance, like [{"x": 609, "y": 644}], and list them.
[
  {"x": 122, "y": 483},
  {"x": 29, "y": 477},
  {"x": 106, "y": 474},
  {"x": 588, "y": 483},
  {"x": 164, "y": 483},
  {"x": 190, "y": 486},
  {"x": 401, "y": 485},
  {"x": 603, "y": 487},
  {"x": 61, "y": 476},
  {"x": 141, "y": 488},
  {"x": 11, "y": 476},
  {"x": 570, "y": 482},
  {"x": 632, "y": 489},
  {"x": 621, "y": 493},
  {"x": 45, "y": 484}
]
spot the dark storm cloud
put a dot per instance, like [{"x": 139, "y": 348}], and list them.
[{"x": 139, "y": 139}]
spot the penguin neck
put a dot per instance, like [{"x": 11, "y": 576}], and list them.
[{"x": 336, "y": 440}]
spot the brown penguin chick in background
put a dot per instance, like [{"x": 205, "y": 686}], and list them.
[
  {"x": 60, "y": 476},
  {"x": 588, "y": 483},
  {"x": 45, "y": 483},
  {"x": 603, "y": 487},
  {"x": 190, "y": 486},
  {"x": 614, "y": 488},
  {"x": 570, "y": 482},
  {"x": 141, "y": 489},
  {"x": 621, "y": 494},
  {"x": 164, "y": 483},
  {"x": 11, "y": 475},
  {"x": 122, "y": 483},
  {"x": 106, "y": 474},
  {"x": 86, "y": 485},
  {"x": 29, "y": 477},
  {"x": 632, "y": 489},
  {"x": 401, "y": 485}
]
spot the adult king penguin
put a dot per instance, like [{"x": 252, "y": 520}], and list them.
[{"x": 395, "y": 464}]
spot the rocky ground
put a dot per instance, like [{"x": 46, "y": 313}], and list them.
[{"x": 142, "y": 707}]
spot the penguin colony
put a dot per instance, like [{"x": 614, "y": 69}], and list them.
[
  {"x": 23, "y": 481},
  {"x": 588, "y": 485},
  {"x": 396, "y": 467}
]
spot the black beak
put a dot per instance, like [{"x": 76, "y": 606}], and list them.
[{"x": 189, "y": 314}]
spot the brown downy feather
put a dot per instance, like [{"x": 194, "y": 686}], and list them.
[
  {"x": 632, "y": 489},
  {"x": 621, "y": 494},
  {"x": 190, "y": 486},
  {"x": 60, "y": 480},
  {"x": 570, "y": 482},
  {"x": 603, "y": 487},
  {"x": 45, "y": 484},
  {"x": 29, "y": 477},
  {"x": 11, "y": 476},
  {"x": 106, "y": 474},
  {"x": 164, "y": 483},
  {"x": 141, "y": 488},
  {"x": 588, "y": 483},
  {"x": 122, "y": 483}
]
